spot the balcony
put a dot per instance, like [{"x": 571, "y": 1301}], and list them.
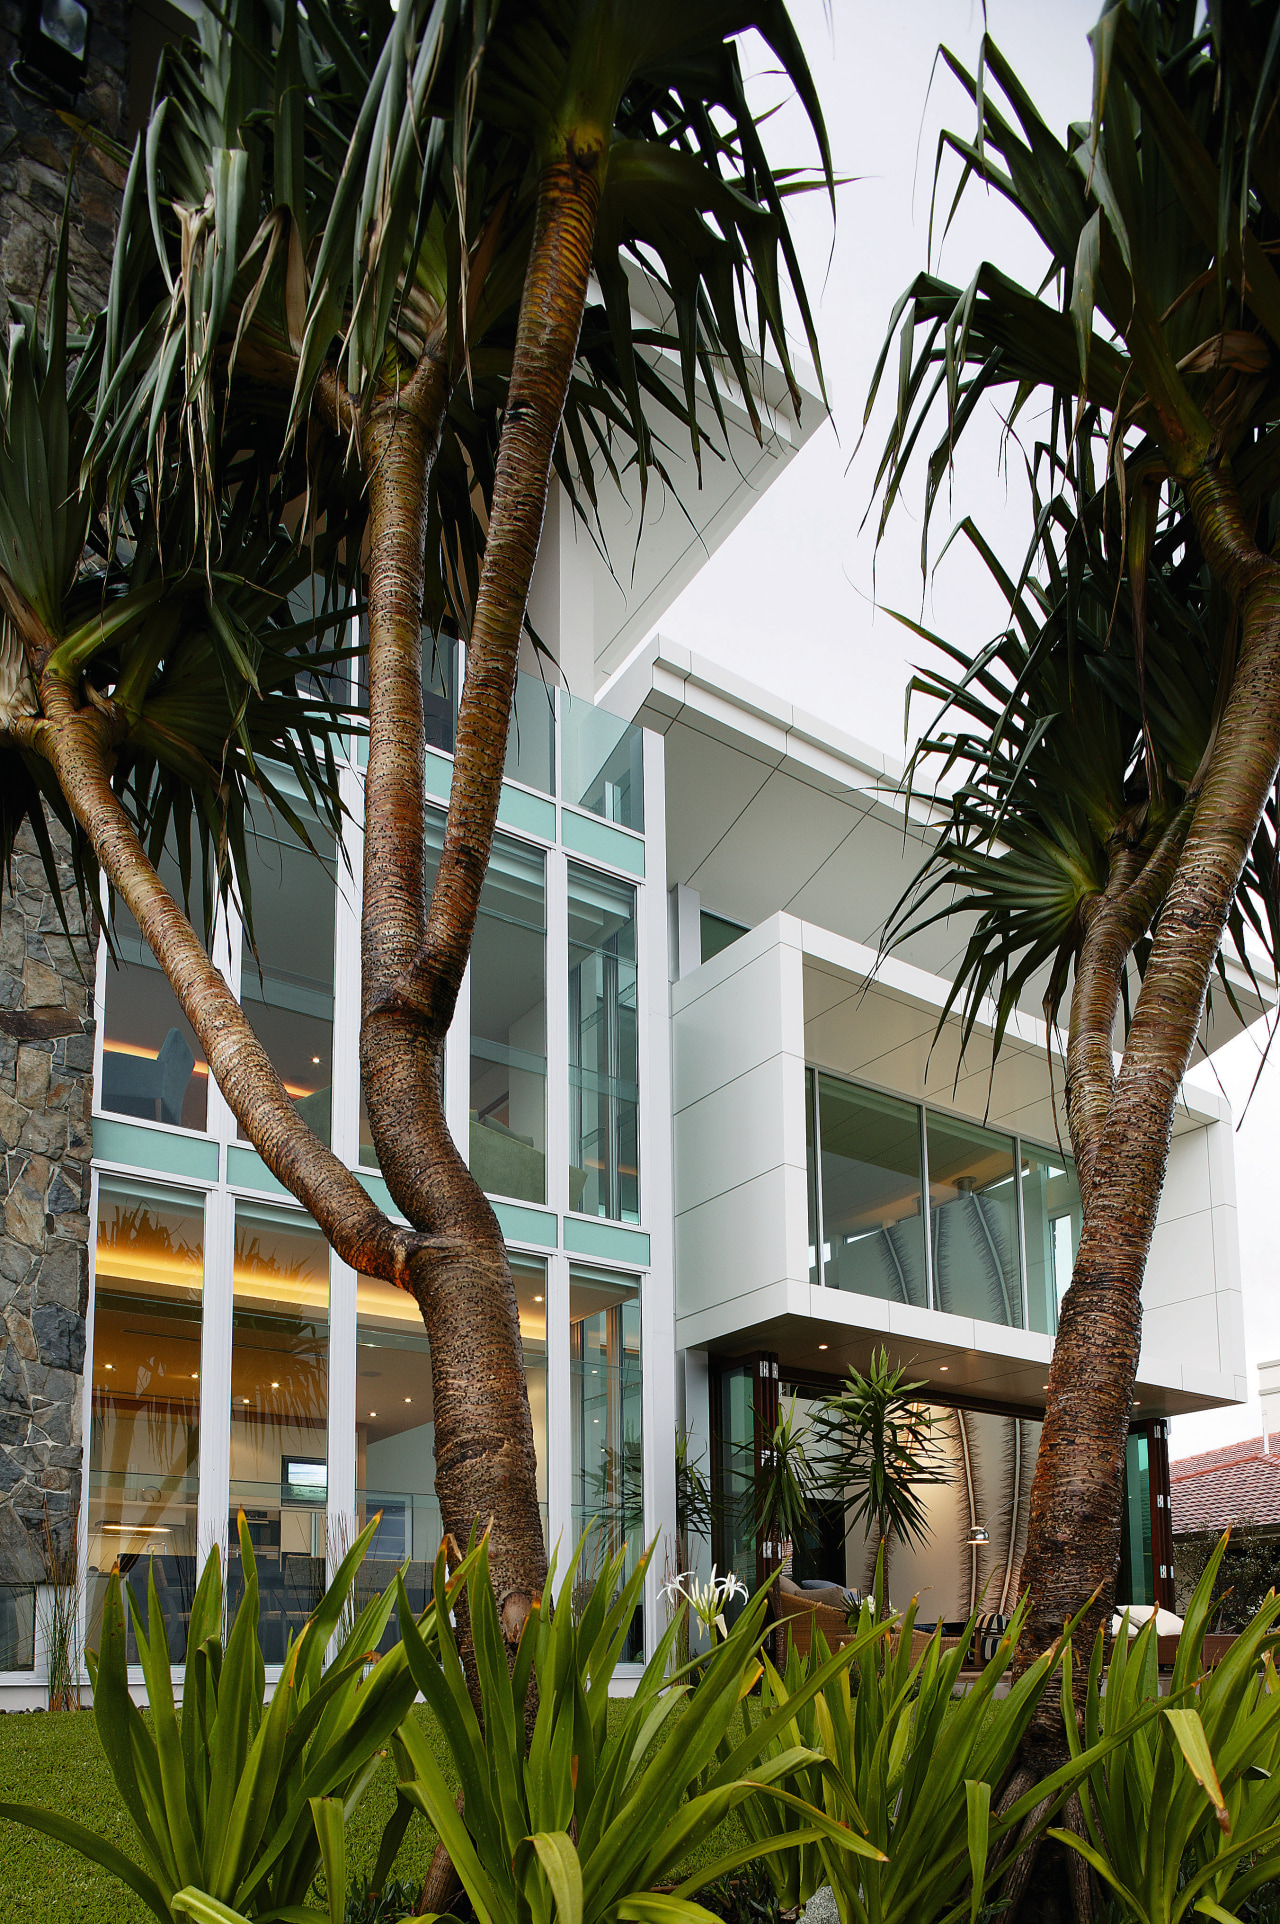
[{"x": 814, "y": 1115}]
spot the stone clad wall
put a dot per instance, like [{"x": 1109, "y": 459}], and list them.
[
  {"x": 46, "y": 985},
  {"x": 35, "y": 148},
  {"x": 46, "y": 1093}
]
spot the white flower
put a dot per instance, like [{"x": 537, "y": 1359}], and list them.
[{"x": 706, "y": 1600}]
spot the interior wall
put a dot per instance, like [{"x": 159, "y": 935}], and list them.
[{"x": 988, "y": 1462}]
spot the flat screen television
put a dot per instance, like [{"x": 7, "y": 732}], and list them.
[{"x": 304, "y": 1480}]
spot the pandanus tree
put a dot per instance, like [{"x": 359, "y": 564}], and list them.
[
  {"x": 1112, "y": 755},
  {"x": 370, "y": 290}
]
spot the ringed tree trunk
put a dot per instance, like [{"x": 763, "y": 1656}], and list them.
[
  {"x": 414, "y": 952},
  {"x": 1124, "y": 1127},
  {"x": 452, "y": 1258}
]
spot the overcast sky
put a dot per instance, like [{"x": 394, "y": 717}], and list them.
[{"x": 796, "y": 598}]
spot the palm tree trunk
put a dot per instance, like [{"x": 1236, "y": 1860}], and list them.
[
  {"x": 1073, "y": 1546},
  {"x": 79, "y": 744},
  {"x": 414, "y": 955}
]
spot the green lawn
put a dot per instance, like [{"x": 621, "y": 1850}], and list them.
[{"x": 55, "y": 1760}]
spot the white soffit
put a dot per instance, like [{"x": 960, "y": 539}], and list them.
[
  {"x": 686, "y": 522},
  {"x": 771, "y": 810}
]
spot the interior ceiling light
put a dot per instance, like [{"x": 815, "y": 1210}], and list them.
[
  {"x": 944, "y": 1367},
  {"x": 537, "y": 1299},
  {"x": 408, "y": 1399},
  {"x": 822, "y": 1346}
]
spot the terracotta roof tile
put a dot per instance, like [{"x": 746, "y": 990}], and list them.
[{"x": 1237, "y": 1484}]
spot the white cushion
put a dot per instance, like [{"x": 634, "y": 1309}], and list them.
[{"x": 1167, "y": 1625}]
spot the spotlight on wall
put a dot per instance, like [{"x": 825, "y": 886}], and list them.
[{"x": 55, "y": 49}]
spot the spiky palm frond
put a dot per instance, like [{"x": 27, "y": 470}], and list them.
[
  {"x": 1085, "y": 727},
  {"x": 318, "y": 193},
  {"x": 1063, "y": 743}
]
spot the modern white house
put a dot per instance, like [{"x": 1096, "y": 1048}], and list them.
[{"x": 728, "y": 1153}]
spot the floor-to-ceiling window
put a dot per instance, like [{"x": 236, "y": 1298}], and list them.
[
  {"x": 869, "y": 1194},
  {"x": 508, "y": 1133},
  {"x": 279, "y": 1413},
  {"x": 608, "y": 1437},
  {"x": 286, "y": 975},
  {"x": 604, "y": 1138},
  {"x": 152, "y": 1065},
  {"x": 973, "y": 1221},
  {"x": 144, "y": 1440},
  {"x": 1003, "y": 1221},
  {"x": 1052, "y": 1216}
]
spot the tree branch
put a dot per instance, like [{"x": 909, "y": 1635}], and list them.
[{"x": 79, "y": 744}]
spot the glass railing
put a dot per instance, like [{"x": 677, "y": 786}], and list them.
[{"x": 602, "y": 762}]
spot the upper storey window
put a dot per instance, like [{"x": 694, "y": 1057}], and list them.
[
  {"x": 508, "y": 1134},
  {"x": 999, "y": 1238},
  {"x": 152, "y": 1065},
  {"x": 286, "y": 978},
  {"x": 602, "y": 763},
  {"x": 604, "y": 1111}
]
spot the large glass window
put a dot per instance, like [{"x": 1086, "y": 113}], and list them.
[
  {"x": 602, "y": 762},
  {"x": 508, "y": 1148},
  {"x": 286, "y": 986},
  {"x": 608, "y": 1471},
  {"x": 604, "y": 1144},
  {"x": 279, "y": 1414},
  {"x": 872, "y": 1227},
  {"x": 735, "y": 1517},
  {"x": 144, "y": 1441},
  {"x": 1135, "y": 1580},
  {"x": 974, "y": 1222},
  {"x": 395, "y": 1425},
  {"x": 1052, "y": 1218},
  {"x": 531, "y": 741},
  {"x": 716, "y": 932},
  {"x": 152, "y": 1064}
]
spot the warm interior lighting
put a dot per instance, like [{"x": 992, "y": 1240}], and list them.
[
  {"x": 537, "y": 1299},
  {"x": 822, "y": 1345},
  {"x": 408, "y": 1399},
  {"x": 315, "y": 1058},
  {"x": 275, "y": 1386},
  {"x": 108, "y": 1366},
  {"x": 373, "y": 1412},
  {"x": 134, "y": 1529},
  {"x": 944, "y": 1367}
]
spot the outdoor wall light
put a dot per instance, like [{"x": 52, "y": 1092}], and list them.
[{"x": 55, "y": 49}]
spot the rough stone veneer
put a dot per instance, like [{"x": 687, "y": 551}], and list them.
[
  {"x": 46, "y": 1089},
  {"x": 35, "y": 149},
  {"x": 46, "y": 1031}
]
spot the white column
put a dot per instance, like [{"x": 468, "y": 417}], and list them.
[
  {"x": 215, "y": 1375},
  {"x": 558, "y": 1033},
  {"x": 341, "y": 1504},
  {"x": 561, "y": 1534},
  {"x": 658, "y": 1341},
  {"x": 686, "y": 921},
  {"x": 346, "y": 977},
  {"x": 227, "y": 940}
]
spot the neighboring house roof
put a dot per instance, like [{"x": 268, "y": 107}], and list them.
[{"x": 1238, "y": 1484}]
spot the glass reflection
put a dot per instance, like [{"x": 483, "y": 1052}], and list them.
[
  {"x": 144, "y": 1442},
  {"x": 608, "y": 1470},
  {"x": 395, "y": 1427},
  {"x": 509, "y": 1026},
  {"x": 602, "y": 762},
  {"x": 152, "y": 1064},
  {"x": 973, "y": 1222},
  {"x": 279, "y": 1415},
  {"x": 1052, "y": 1218},
  {"x": 604, "y": 1149},
  {"x": 286, "y": 981},
  {"x": 872, "y": 1228}
]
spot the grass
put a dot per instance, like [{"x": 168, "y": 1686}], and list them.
[{"x": 56, "y": 1760}]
